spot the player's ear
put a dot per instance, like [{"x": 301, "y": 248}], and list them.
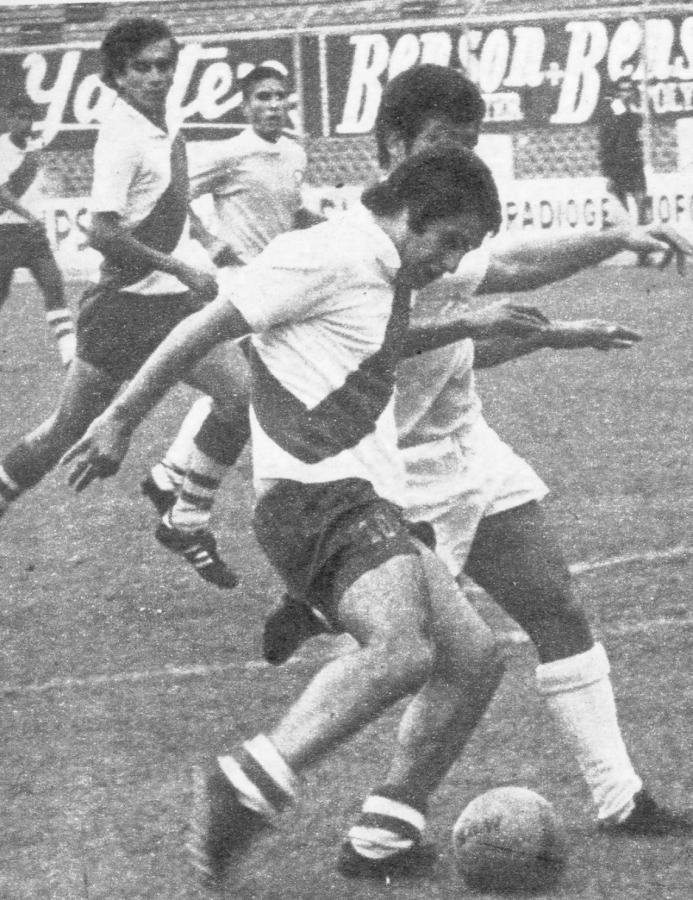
[{"x": 397, "y": 150}]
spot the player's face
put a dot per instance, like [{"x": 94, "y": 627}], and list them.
[
  {"x": 439, "y": 248},
  {"x": 148, "y": 77},
  {"x": 266, "y": 107}
]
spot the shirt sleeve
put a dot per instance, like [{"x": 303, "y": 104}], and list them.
[
  {"x": 286, "y": 283},
  {"x": 115, "y": 166}
]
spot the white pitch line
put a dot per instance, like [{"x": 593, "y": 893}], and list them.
[{"x": 204, "y": 670}]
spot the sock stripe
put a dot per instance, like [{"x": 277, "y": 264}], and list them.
[
  {"x": 200, "y": 480},
  {"x": 199, "y": 502},
  {"x": 173, "y": 468},
  {"x": 276, "y": 796},
  {"x": 247, "y": 791},
  {"x": 389, "y": 824},
  {"x": 380, "y": 804},
  {"x": 58, "y": 316}
]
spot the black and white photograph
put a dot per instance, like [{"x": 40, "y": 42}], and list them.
[{"x": 346, "y": 481}]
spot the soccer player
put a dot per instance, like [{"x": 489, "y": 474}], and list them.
[
  {"x": 484, "y": 501},
  {"x": 329, "y": 307},
  {"x": 621, "y": 150},
  {"x": 22, "y": 233},
  {"x": 152, "y": 274},
  {"x": 255, "y": 182}
]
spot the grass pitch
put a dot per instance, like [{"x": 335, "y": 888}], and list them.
[{"x": 120, "y": 667}]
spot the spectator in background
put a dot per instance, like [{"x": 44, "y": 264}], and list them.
[
  {"x": 23, "y": 240},
  {"x": 621, "y": 150}
]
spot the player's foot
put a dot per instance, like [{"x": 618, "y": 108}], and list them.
[
  {"x": 161, "y": 499},
  {"x": 199, "y": 548},
  {"x": 417, "y": 862},
  {"x": 220, "y": 827},
  {"x": 648, "y": 818},
  {"x": 287, "y": 627}
]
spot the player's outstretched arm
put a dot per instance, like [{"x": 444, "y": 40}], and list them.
[
  {"x": 455, "y": 324},
  {"x": 595, "y": 333},
  {"x": 525, "y": 262},
  {"x": 559, "y": 335},
  {"x": 99, "y": 453}
]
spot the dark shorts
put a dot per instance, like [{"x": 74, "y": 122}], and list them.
[
  {"x": 20, "y": 247},
  {"x": 322, "y": 537},
  {"x": 117, "y": 331}
]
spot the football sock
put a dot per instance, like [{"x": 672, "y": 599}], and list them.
[
  {"x": 262, "y": 779},
  {"x": 580, "y": 697},
  {"x": 167, "y": 476},
  {"x": 386, "y": 826},
  {"x": 60, "y": 320},
  {"x": 217, "y": 447},
  {"x": 170, "y": 472}
]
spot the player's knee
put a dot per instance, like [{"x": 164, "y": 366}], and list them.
[{"x": 405, "y": 662}]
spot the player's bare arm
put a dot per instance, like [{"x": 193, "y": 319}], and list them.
[
  {"x": 99, "y": 453},
  {"x": 496, "y": 319},
  {"x": 521, "y": 263},
  {"x": 559, "y": 335},
  {"x": 109, "y": 236}
]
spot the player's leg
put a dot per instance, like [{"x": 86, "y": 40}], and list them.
[
  {"x": 356, "y": 555},
  {"x": 516, "y": 559},
  {"x": 87, "y": 391},
  {"x": 387, "y": 839},
  {"x": 394, "y": 657},
  {"x": 217, "y": 445},
  {"x": 45, "y": 270},
  {"x": 164, "y": 481}
]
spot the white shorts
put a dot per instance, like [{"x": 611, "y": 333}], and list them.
[{"x": 456, "y": 481}]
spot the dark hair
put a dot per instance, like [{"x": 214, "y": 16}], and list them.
[
  {"x": 416, "y": 94},
  {"x": 125, "y": 39},
  {"x": 258, "y": 74},
  {"x": 436, "y": 184}
]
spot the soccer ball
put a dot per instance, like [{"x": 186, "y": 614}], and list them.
[{"x": 509, "y": 839}]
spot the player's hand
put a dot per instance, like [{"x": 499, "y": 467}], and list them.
[
  {"x": 99, "y": 453},
  {"x": 594, "y": 333},
  {"x": 678, "y": 247},
  {"x": 661, "y": 239},
  {"x": 203, "y": 284},
  {"x": 506, "y": 318}
]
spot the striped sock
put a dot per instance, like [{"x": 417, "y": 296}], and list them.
[
  {"x": 60, "y": 321},
  {"x": 197, "y": 493},
  {"x": 261, "y": 777},
  {"x": 167, "y": 476},
  {"x": 386, "y": 826}
]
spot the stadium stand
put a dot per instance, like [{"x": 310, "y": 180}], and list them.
[{"x": 537, "y": 152}]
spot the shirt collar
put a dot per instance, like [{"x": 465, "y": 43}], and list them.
[
  {"x": 141, "y": 122},
  {"x": 253, "y": 139},
  {"x": 385, "y": 250}
]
